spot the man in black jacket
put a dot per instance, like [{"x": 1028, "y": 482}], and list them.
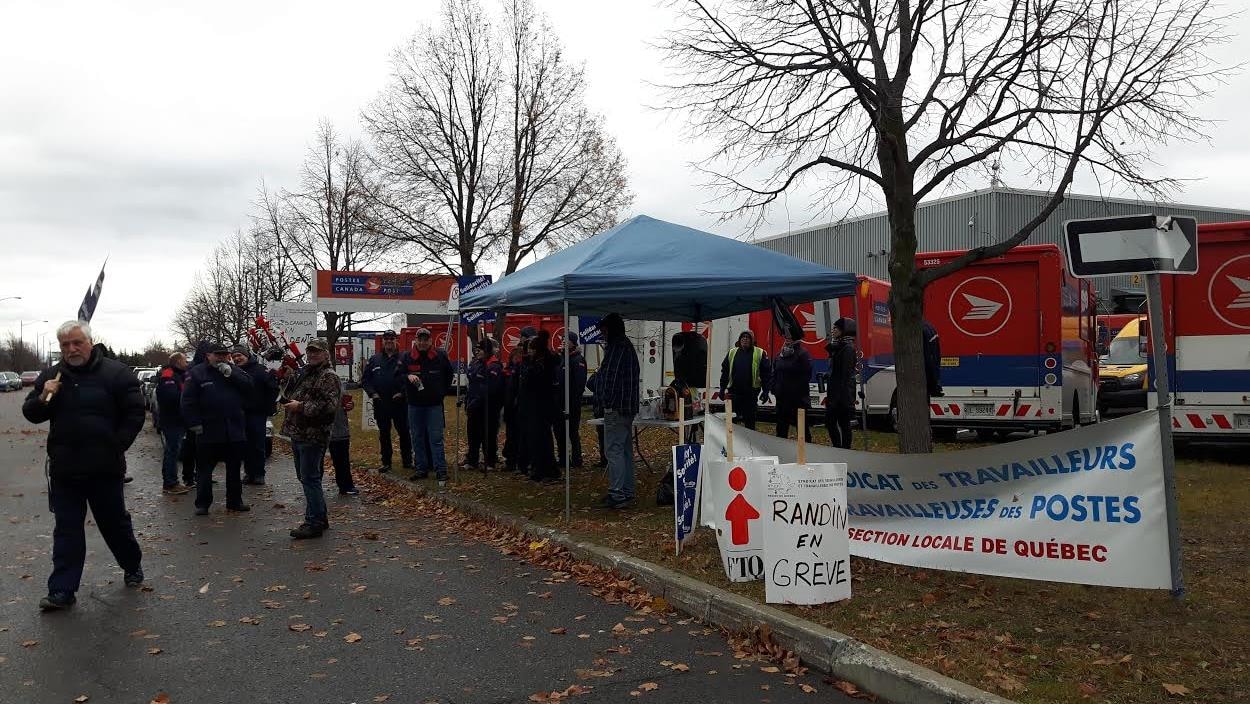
[
  {"x": 256, "y": 413},
  {"x": 213, "y": 400},
  {"x": 483, "y": 402},
  {"x": 426, "y": 376},
  {"x": 840, "y": 393},
  {"x": 169, "y": 382},
  {"x": 95, "y": 408},
  {"x": 576, "y": 390},
  {"x": 383, "y": 383}
]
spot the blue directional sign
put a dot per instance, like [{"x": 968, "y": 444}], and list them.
[{"x": 468, "y": 284}]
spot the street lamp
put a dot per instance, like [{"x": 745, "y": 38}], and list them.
[{"x": 21, "y": 334}]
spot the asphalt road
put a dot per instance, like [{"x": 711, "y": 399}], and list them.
[{"x": 235, "y": 611}]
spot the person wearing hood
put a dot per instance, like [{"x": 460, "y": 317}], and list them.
[
  {"x": 256, "y": 412},
  {"x": 747, "y": 374},
  {"x": 483, "y": 402},
  {"x": 576, "y": 390},
  {"x": 792, "y": 374},
  {"x": 169, "y": 382},
  {"x": 190, "y": 447},
  {"x": 213, "y": 399},
  {"x": 94, "y": 408},
  {"x": 840, "y": 394}
]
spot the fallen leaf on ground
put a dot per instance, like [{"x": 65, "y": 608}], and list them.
[
  {"x": 1176, "y": 690},
  {"x": 1007, "y": 683},
  {"x": 846, "y": 688},
  {"x": 648, "y": 686},
  {"x": 771, "y": 669},
  {"x": 216, "y": 624},
  {"x": 807, "y": 689},
  {"x": 558, "y": 631},
  {"x": 160, "y": 698},
  {"x": 29, "y": 643},
  {"x": 681, "y": 667},
  {"x": 250, "y": 620},
  {"x": 353, "y": 638},
  {"x": 381, "y": 697},
  {"x": 155, "y": 651},
  {"x": 300, "y": 627},
  {"x": 204, "y": 589},
  {"x": 446, "y": 601},
  {"x": 618, "y": 628},
  {"x": 80, "y": 699}
]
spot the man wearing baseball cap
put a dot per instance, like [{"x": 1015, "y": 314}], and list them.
[
  {"x": 383, "y": 383},
  {"x": 311, "y": 402},
  {"x": 426, "y": 375},
  {"x": 213, "y": 402}
]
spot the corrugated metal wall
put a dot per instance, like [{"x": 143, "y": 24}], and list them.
[{"x": 959, "y": 222}]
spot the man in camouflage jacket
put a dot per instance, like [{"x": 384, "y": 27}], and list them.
[{"x": 310, "y": 401}]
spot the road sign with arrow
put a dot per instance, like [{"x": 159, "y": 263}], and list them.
[{"x": 1133, "y": 244}]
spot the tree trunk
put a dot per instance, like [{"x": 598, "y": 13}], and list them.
[{"x": 906, "y": 294}]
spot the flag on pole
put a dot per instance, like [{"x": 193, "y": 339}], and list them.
[{"x": 87, "y": 309}]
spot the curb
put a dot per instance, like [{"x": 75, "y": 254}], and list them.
[{"x": 890, "y": 677}]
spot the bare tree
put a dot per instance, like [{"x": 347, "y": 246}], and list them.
[
  {"x": 568, "y": 178},
  {"x": 18, "y": 355},
  {"x": 436, "y": 135},
  {"x": 905, "y": 95},
  {"x": 330, "y": 222}
]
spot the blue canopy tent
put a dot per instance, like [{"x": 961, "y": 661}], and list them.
[{"x": 648, "y": 269}]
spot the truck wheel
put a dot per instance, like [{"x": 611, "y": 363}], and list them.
[{"x": 945, "y": 434}]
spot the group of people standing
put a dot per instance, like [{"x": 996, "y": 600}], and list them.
[{"x": 749, "y": 377}]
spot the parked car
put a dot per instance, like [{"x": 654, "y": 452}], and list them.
[
  {"x": 28, "y": 378},
  {"x": 10, "y": 381},
  {"x": 147, "y": 378}
]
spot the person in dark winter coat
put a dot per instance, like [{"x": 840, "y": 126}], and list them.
[
  {"x": 483, "y": 403},
  {"x": 746, "y": 373},
  {"x": 427, "y": 376},
  {"x": 932, "y": 348},
  {"x": 213, "y": 402},
  {"x": 576, "y": 391},
  {"x": 539, "y": 399},
  {"x": 169, "y": 383},
  {"x": 840, "y": 393},
  {"x": 792, "y": 374},
  {"x": 384, "y": 384},
  {"x": 513, "y": 445},
  {"x": 256, "y": 413},
  {"x": 190, "y": 448},
  {"x": 95, "y": 410}
]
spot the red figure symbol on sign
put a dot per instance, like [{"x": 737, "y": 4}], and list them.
[{"x": 740, "y": 511}]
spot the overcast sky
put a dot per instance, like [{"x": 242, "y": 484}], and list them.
[{"x": 140, "y": 130}]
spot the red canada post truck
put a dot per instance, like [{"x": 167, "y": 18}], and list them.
[
  {"x": 1018, "y": 341},
  {"x": 1206, "y": 319}
]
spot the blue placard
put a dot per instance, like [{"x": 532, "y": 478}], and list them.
[
  {"x": 685, "y": 490},
  {"x": 469, "y": 284},
  {"x": 588, "y": 330}
]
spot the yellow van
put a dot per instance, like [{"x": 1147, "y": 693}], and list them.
[{"x": 1122, "y": 373}]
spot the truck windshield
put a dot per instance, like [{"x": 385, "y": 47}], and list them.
[{"x": 1125, "y": 350}]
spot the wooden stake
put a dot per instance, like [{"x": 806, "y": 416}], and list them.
[
  {"x": 681, "y": 420},
  {"x": 48, "y": 396},
  {"x": 802, "y": 431},
  {"x": 729, "y": 429}
]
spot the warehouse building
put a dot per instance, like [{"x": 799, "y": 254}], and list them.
[{"x": 862, "y": 244}]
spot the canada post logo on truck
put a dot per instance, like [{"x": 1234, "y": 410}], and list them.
[
  {"x": 1229, "y": 292},
  {"x": 980, "y": 306}
]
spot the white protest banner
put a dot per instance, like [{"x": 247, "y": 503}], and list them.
[
  {"x": 733, "y": 501},
  {"x": 298, "y": 319},
  {"x": 367, "y": 419},
  {"x": 1085, "y": 506},
  {"x": 807, "y": 558}
]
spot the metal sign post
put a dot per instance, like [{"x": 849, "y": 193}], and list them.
[
  {"x": 1148, "y": 245},
  {"x": 1154, "y": 297}
]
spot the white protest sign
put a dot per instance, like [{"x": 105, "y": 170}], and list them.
[
  {"x": 733, "y": 505},
  {"x": 807, "y": 558},
  {"x": 1085, "y": 506},
  {"x": 297, "y": 318},
  {"x": 367, "y": 419}
]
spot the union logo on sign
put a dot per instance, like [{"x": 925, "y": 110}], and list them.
[
  {"x": 980, "y": 306},
  {"x": 1229, "y": 292}
]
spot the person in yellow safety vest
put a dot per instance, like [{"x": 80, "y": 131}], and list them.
[{"x": 747, "y": 373}]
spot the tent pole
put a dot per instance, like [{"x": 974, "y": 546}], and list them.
[
  {"x": 568, "y": 446},
  {"x": 707, "y": 391},
  {"x": 452, "y": 332}
]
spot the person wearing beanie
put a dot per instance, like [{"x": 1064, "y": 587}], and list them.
[
  {"x": 576, "y": 389},
  {"x": 747, "y": 375},
  {"x": 840, "y": 394},
  {"x": 483, "y": 403}
]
